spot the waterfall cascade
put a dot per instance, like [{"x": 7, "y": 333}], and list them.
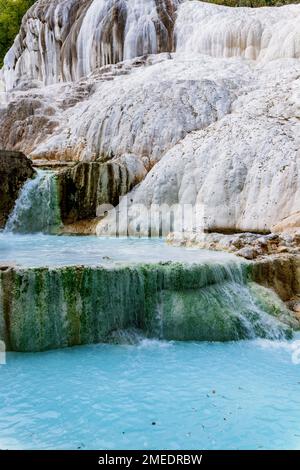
[
  {"x": 37, "y": 207},
  {"x": 239, "y": 159},
  {"x": 58, "y": 307}
]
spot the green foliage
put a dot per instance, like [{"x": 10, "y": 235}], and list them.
[{"x": 11, "y": 14}]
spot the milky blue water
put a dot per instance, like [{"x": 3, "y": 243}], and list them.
[
  {"x": 48, "y": 250},
  {"x": 154, "y": 395}
]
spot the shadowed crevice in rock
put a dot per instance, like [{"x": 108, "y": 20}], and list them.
[
  {"x": 15, "y": 169},
  {"x": 88, "y": 185}
]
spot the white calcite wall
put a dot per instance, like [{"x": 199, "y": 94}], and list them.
[
  {"x": 63, "y": 40},
  {"x": 242, "y": 171},
  {"x": 215, "y": 101},
  {"x": 146, "y": 111},
  {"x": 253, "y": 33}
]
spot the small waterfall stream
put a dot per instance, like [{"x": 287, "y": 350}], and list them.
[{"x": 37, "y": 207}]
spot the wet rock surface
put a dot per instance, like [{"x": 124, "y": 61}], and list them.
[
  {"x": 282, "y": 274},
  {"x": 247, "y": 245},
  {"x": 275, "y": 258},
  {"x": 15, "y": 169},
  {"x": 86, "y": 186}
]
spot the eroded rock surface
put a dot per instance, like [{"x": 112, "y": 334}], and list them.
[
  {"x": 243, "y": 170},
  {"x": 247, "y": 245},
  {"x": 282, "y": 273}
]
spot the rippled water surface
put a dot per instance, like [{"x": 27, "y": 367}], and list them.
[{"x": 154, "y": 395}]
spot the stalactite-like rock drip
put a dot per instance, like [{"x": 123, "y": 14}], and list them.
[
  {"x": 36, "y": 53},
  {"x": 234, "y": 80},
  {"x": 97, "y": 39},
  {"x": 165, "y": 26},
  {"x": 86, "y": 186},
  {"x": 64, "y": 40},
  {"x": 68, "y": 39},
  {"x": 113, "y": 30}
]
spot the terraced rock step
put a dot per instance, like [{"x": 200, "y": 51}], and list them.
[{"x": 46, "y": 308}]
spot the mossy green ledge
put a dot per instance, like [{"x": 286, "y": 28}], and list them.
[{"x": 47, "y": 308}]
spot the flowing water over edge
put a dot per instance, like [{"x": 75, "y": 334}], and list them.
[
  {"x": 37, "y": 207},
  {"x": 120, "y": 286},
  {"x": 208, "y": 297}
]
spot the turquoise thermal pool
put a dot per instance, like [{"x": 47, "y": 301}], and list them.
[
  {"x": 153, "y": 395},
  {"x": 33, "y": 250}
]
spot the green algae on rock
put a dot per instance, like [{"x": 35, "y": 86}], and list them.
[{"x": 47, "y": 308}]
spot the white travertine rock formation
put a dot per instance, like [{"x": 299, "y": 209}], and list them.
[
  {"x": 145, "y": 112},
  {"x": 244, "y": 170},
  {"x": 62, "y": 40},
  {"x": 253, "y": 33},
  {"x": 129, "y": 108},
  {"x": 216, "y": 103}
]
